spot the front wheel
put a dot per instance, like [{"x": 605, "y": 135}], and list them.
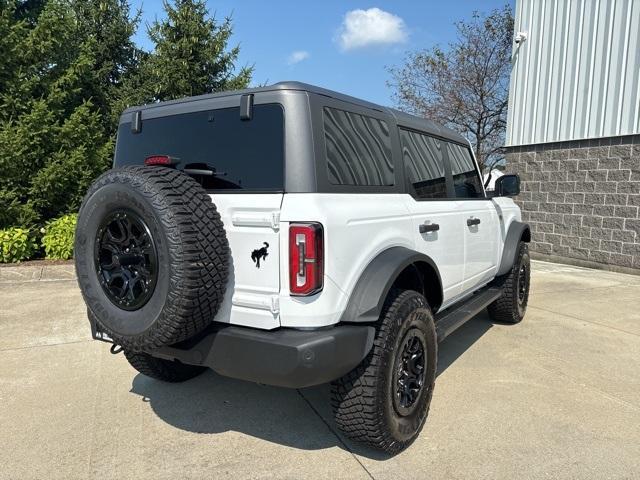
[
  {"x": 512, "y": 305},
  {"x": 384, "y": 401}
]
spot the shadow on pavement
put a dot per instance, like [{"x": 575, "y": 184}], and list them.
[
  {"x": 212, "y": 404},
  {"x": 461, "y": 340}
]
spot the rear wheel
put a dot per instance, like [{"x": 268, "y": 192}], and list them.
[
  {"x": 385, "y": 400},
  {"x": 512, "y": 305},
  {"x": 160, "y": 369}
]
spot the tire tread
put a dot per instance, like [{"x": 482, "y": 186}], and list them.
[
  {"x": 357, "y": 398},
  {"x": 505, "y": 308},
  {"x": 198, "y": 253}
]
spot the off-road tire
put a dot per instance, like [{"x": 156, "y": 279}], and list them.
[
  {"x": 363, "y": 401},
  {"x": 512, "y": 304},
  {"x": 160, "y": 369},
  {"x": 192, "y": 255}
]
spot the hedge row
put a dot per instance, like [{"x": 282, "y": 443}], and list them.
[{"x": 56, "y": 239}]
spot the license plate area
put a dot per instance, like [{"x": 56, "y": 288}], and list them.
[{"x": 98, "y": 334}]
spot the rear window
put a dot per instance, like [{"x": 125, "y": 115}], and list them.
[
  {"x": 247, "y": 155},
  {"x": 358, "y": 149}
]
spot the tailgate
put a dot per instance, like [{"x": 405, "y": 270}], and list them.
[{"x": 252, "y": 224}]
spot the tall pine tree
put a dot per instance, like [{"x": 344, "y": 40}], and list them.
[
  {"x": 191, "y": 54},
  {"x": 67, "y": 70},
  {"x": 58, "y": 81}
]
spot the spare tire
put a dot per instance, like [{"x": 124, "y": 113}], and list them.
[{"x": 151, "y": 256}]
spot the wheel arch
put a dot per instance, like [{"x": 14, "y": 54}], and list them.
[
  {"x": 516, "y": 233},
  {"x": 394, "y": 267}
]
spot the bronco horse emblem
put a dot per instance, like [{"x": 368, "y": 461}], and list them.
[{"x": 260, "y": 253}]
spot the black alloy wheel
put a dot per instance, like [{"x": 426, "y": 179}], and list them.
[
  {"x": 522, "y": 284},
  {"x": 408, "y": 379},
  {"x": 126, "y": 259},
  {"x": 522, "y": 288}
]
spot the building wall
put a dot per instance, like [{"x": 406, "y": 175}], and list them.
[
  {"x": 577, "y": 75},
  {"x": 582, "y": 198}
]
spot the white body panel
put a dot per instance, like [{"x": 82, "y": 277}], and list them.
[
  {"x": 252, "y": 293},
  {"x": 445, "y": 246},
  {"x": 357, "y": 228},
  {"x": 480, "y": 242},
  {"x": 508, "y": 212}
]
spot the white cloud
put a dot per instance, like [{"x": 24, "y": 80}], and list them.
[
  {"x": 297, "y": 57},
  {"x": 364, "y": 28}
]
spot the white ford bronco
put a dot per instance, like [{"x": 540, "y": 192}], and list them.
[{"x": 293, "y": 236}]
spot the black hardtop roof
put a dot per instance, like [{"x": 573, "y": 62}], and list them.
[{"x": 403, "y": 119}]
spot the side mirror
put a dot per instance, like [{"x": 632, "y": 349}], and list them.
[{"x": 507, "y": 186}]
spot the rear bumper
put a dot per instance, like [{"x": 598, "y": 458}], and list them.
[{"x": 283, "y": 357}]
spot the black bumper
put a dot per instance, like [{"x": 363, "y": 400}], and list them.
[{"x": 284, "y": 357}]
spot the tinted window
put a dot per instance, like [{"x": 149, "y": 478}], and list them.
[
  {"x": 423, "y": 163},
  {"x": 466, "y": 181},
  {"x": 358, "y": 149},
  {"x": 246, "y": 155}
]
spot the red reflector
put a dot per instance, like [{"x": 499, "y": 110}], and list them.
[
  {"x": 306, "y": 258},
  {"x": 159, "y": 160}
]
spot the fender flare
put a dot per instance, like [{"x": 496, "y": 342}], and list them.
[
  {"x": 368, "y": 296},
  {"x": 517, "y": 231}
]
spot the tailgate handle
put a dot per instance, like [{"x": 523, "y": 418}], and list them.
[{"x": 271, "y": 219}]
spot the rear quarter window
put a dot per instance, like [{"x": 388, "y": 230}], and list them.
[
  {"x": 241, "y": 155},
  {"x": 358, "y": 149}
]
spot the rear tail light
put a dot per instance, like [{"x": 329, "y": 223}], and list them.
[
  {"x": 306, "y": 258},
  {"x": 163, "y": 160}
]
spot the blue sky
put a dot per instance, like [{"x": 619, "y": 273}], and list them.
[{"x": 340, "y": 45}]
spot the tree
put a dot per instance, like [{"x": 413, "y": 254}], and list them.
[
  {"x": 67, "y": 70},
  {"x": 465, "y": 86},
  {"x": 28, "y": 10},
  {"x": 58, "y": 77},
  {"x": 106, "y": 27},
  {"x": 191, "y": 55}
]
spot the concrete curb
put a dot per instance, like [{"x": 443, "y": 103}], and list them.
[
  {"x": 36, "y": 273},
  {"x": 576, "y": 262}
]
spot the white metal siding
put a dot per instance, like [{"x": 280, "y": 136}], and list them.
[{"x": 577, "y": 75}]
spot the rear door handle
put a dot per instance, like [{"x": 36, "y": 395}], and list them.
[
  {"x": 473, "y": 221},
  {"x": 430, "y": 227}
]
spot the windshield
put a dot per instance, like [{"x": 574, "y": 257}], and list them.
[{"x": 225, "y": 153}]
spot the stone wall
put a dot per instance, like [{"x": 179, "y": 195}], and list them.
[{"x": 581, "y": 198}]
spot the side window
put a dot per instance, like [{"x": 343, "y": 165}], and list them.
[
  {"x": 358, "y": 149},
  {"x": 423, "y": 163},
  {"x": 466, "y": 181}
]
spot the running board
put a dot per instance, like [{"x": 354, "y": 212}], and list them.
[{"x": 449, "y": 320}]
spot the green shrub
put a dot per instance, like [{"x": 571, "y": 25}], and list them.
[
  {"x": 16, "y": 244},
  {"x": 58, "y": 237}
]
